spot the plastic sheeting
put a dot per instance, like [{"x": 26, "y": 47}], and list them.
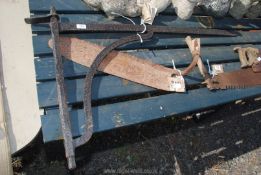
[{"x": 148, "y": 9}]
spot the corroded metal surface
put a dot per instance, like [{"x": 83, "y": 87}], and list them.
[
  {"x": 88, "y": 130},
  {"x": 237, "y": 79},
  {"x": 95, "y": 27},
  {"x": 56, "y": 28},
  {"x": 61, "y": 94},
  {"x": 123, "y": 65}
]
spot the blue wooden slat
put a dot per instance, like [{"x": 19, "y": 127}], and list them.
[
  {"x": 45, "y": 66},
  {"x": 60, "y": 5},
  {"x": 127, "y": 113},
  {"x": 159, "y": 41},
  {"x": 135, "y": 111},
  {"x": 226, "y": 23},
  {"x": 105, "y": 87}
]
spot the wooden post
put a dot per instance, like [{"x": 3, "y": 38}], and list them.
[{"x": 5, "y": 155}]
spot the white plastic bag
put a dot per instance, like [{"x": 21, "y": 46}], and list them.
[
  {"x": 147, "y": 9},
  {"x": 184, "y": 8}
]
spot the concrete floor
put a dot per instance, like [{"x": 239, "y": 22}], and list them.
[{"x": 225, "y": 142}]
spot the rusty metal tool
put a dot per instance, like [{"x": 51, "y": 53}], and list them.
[
  {"x": 242, "y": 78},
  {"x": 88, "y": 130},
  {"x": 96, "y": 27},
  {"x": 69, "y": 143},
  {"x": 248, "y": 76},
  {"x": 122, "y": 64},
  {"x": 61, "y": 92},
  {"x": 57, "y": 27},
  {"x": 70, "y": 27},
  {"x": 257, "y": 66}
]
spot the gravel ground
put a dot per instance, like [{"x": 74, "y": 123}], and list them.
[{"x": 225, "y": 142}]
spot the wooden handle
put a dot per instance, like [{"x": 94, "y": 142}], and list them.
[{"x": 194, "y": 47}]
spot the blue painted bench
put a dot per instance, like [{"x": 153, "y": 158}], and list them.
[{"x": 118, "y": 102}]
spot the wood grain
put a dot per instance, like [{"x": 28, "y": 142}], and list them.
[{"x": 117, "y": 63}]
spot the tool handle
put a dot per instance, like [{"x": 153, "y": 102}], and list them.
[
  {"x": 193, "y": 49},
  {"x": 43, "y": 18},
  {"x": 40, "y": 19}
]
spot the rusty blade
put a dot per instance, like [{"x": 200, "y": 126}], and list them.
[
  {"x": 257, "y": 67},
  {"x": 237, "y": 79},
  {"x": 121, "y": 64},
  {"x": 97, "y": 27}
]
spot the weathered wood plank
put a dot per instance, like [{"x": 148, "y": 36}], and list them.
[
  {"x": 45, "y": 66},
  {"x": 60, "y": 5},
  {"x": 105, "y": 87},
  {"x": 225, "y": 23},
  {"x": 127, "y": 113},
  {"x": 159, "y": 41}
]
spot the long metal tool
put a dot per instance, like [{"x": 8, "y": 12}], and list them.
[
  {"x": 53, "y": 19},
  {"x": 56, "y": 27},
  {"x": 96, "y": 27},
  {"x": 61, "y": 93}
]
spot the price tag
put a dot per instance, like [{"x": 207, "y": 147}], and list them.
[
  {"x": 177, "y": 84},
  {"x": 149, "y": 10},
  {"x": 80, "y": 26},
  {"x": 217, "y": 69}
]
